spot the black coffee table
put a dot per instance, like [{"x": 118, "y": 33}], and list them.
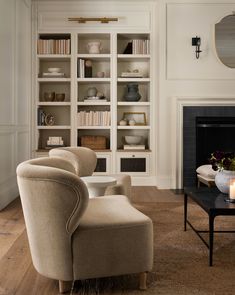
[{"x": 214, "y": 204}]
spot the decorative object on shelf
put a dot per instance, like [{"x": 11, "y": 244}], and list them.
[
  {"x": 54, "y": 141},
  {"x": 100, "y": 94},
  {"x": 123, "y": 122},
  {"x": 94, "y": 47},
  {"x": 224, "y": 163},
  {"x": 94, "y": 142},
  {"x": 132, "y": 92},
  {"x": 49, "y": 120},
  {"x": 131, "y": 74},
  {"x": 100, "y": 74},
  {"x": 133, "y": 139},
  {"x": 92, "y": 91},
  {"x": 84, "y": 68},
  {"x": 133, "y": 142},
  {"x": 102, "y": 20},
  {"x": 88, "y": 69},
  {"x": 138, "y": 118},
  {"x": 41, "y": 117},
  {"x": 128, "y": 49},
  {"x": 49, "y": 96},
  {"x": 98, "y": 97},
  {"x": 53, "y": 72},
  {"x": 137, "y": 46},
  {"x": 196, "y": 41},
  {"x": 132, "y": 122},
  {"x": 60, "y": 96}
]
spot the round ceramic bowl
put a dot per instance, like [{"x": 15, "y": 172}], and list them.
[
  {"x": 60, "y": 96},
  {"x": 54, "y": 70},
  {"x": 49, "y": 96},
  {"x": 133, "y": 139}
]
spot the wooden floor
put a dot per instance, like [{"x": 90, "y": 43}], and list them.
[{"x": 17, "y": 274}]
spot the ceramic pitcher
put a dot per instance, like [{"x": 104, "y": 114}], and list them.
[{"x": 94, "y": 47}]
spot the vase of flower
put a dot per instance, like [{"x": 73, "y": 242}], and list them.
[
  {"x": 222, "y": 180},
  {"x": 224, "y": 163}
]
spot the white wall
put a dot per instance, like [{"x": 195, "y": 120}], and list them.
[
  {"x": 15, "y": 68},
  {"x": 180, "y": 73}
]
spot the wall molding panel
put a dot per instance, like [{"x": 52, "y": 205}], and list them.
[
  {"x": 195, "y": 19},
  {"x": 15, "y": 100}
]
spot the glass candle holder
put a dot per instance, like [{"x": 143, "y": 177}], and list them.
[{"x": 232, "y": 189}]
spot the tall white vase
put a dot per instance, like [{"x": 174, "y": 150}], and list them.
[{"x": 222, "y": 180}]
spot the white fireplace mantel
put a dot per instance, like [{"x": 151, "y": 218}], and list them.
[{"x": 177, "y": 128}]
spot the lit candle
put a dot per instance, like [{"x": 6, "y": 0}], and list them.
[{"x": 232, "y": 191}]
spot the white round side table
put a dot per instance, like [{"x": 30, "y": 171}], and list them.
[{"x": 97, "y": 185}]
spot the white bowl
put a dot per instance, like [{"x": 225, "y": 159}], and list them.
[
  {"x": 133, "y": 139},
  {"x": 54, "y": 70}
]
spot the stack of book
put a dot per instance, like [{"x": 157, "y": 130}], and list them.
[
  {"x": 54, "y": 141},
  {"x": 131, "y": 75},
  {"x": 52, "y": 46},
  {"x": 134, "y": 147},
  {"x": 41, "y": 117},
  {"x": 53, "y": 75},
  {"x": 138, "y": 46},
  {"x": 94, "y": 98},
  {"x": 83, "y": 71},
  {"x": 93, "y": 118}
]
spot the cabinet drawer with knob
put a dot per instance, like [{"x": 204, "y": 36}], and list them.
[{"x": 133, "y": 163}]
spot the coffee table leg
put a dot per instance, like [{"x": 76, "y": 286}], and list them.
[
  {"x": 185, "y": 210},
  {"x": 211, "y": 238}
]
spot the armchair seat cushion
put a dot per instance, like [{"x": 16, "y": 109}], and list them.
[
  {"x": 122, "y": 187},
  {"x": 106, "y": 223}
]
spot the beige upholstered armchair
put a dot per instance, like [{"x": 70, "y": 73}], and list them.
[
  {"x": 72, "y": 237},
  {"x": 84, "y": 162}
]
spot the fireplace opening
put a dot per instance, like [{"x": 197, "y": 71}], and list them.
[
  {"x": 205, "y": 130},
  {"x": 213, "y": 134}
]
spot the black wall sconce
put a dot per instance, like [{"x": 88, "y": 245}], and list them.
[{"x": 196, "y": 41}]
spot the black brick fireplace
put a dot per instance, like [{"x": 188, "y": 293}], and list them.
[{"x": 205, "y": 129}]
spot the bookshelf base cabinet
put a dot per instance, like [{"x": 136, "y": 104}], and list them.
[{"x": 83, "y": 76}]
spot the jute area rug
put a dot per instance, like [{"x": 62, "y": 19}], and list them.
[{"x": 180, "y": 258}]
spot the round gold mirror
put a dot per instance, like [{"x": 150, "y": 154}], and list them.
[{"x": 225, "y": 40}]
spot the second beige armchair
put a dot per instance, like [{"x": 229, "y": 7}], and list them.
[{"x": 84, "y": 161}]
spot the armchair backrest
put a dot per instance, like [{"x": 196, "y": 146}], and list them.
[
  {"x": 83, "y": 159},
  {"x": 53, "y": 200}
]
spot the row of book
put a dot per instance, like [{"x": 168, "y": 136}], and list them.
[
  {"x": 83, "y": 71},
  {"x": 53, "y": 46},
  {"x": 41, "y": 117},
  {"x": 138, "y": 46},
  {"x": 93, "y": 118}
]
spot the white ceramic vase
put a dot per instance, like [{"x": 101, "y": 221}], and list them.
[
  {"x": 94, "y": 47},
  {"x": 222, "y": 180}
]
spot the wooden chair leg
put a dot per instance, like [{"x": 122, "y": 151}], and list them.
[
  {"x": 142, "y": 282},
  {"x": 65, "y": 286}
]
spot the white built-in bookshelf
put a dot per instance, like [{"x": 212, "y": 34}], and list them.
[{"x": 63, "y": 95}]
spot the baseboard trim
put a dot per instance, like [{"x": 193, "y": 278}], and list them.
[
  {"x": 8, "y": 194},
  {"x": 143, "y": 181}
]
